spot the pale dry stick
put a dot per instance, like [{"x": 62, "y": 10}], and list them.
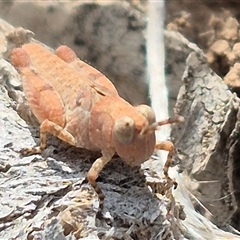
[
  {"x": 155, "y": 64},
  {"x": 84, "y": 111},
  {"x": 156, "y": 71}
]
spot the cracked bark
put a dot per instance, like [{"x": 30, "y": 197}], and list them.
[
  {"x": 207, "y": 141},
  {"x": 47, "y": 190}
]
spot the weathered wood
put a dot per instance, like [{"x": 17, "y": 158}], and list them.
[
  {"x": 45, "y": 195},
  {"x": 204, "y": 141}
]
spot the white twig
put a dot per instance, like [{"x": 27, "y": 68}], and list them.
[{"x": 155, "y": 60}]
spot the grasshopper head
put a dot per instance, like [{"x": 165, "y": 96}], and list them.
[
  {"x": 129, "y": 143},
  {"x": 134, "y": 135}
]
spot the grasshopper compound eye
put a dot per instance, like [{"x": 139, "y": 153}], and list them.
[
  {"x": 147, "y": 112},
  {"x": 124, "y": 130}
]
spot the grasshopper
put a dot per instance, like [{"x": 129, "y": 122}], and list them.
[{"x": 76, "y": 103}]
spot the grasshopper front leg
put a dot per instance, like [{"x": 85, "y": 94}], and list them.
[
  {"x": 167, "y": 146},
  {"x": 93, "y": 174}
]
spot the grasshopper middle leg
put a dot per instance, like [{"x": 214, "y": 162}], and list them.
[{"x": 56, "y": 130}]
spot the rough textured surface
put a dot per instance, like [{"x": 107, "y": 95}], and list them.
[
  {"x": 48, "y": 191},
  {"x": 202, "y": 142},
  {"x": 49, "y": 198},
  {"x": 213, "y": 26},
  {"x": 210, "y": 110}
]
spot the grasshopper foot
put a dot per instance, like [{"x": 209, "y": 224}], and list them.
[
  {"x": 175, "y": 184},
  {"x": 105, "y": 219},
  {"x": 99, "y": 215},
  {"x": 30, "y": 151}
]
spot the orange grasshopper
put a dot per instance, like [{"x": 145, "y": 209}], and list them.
[{"x": 79, "y": 105}]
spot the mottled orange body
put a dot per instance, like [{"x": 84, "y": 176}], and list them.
[{"x": 79, "y": 105}]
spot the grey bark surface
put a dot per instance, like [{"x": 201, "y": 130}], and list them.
[
  {"x": 206, "y": 140},
  {"x": 45, "y": 196}
]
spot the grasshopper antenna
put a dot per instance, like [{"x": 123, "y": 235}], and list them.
[{"x": 154, "y": 126}]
